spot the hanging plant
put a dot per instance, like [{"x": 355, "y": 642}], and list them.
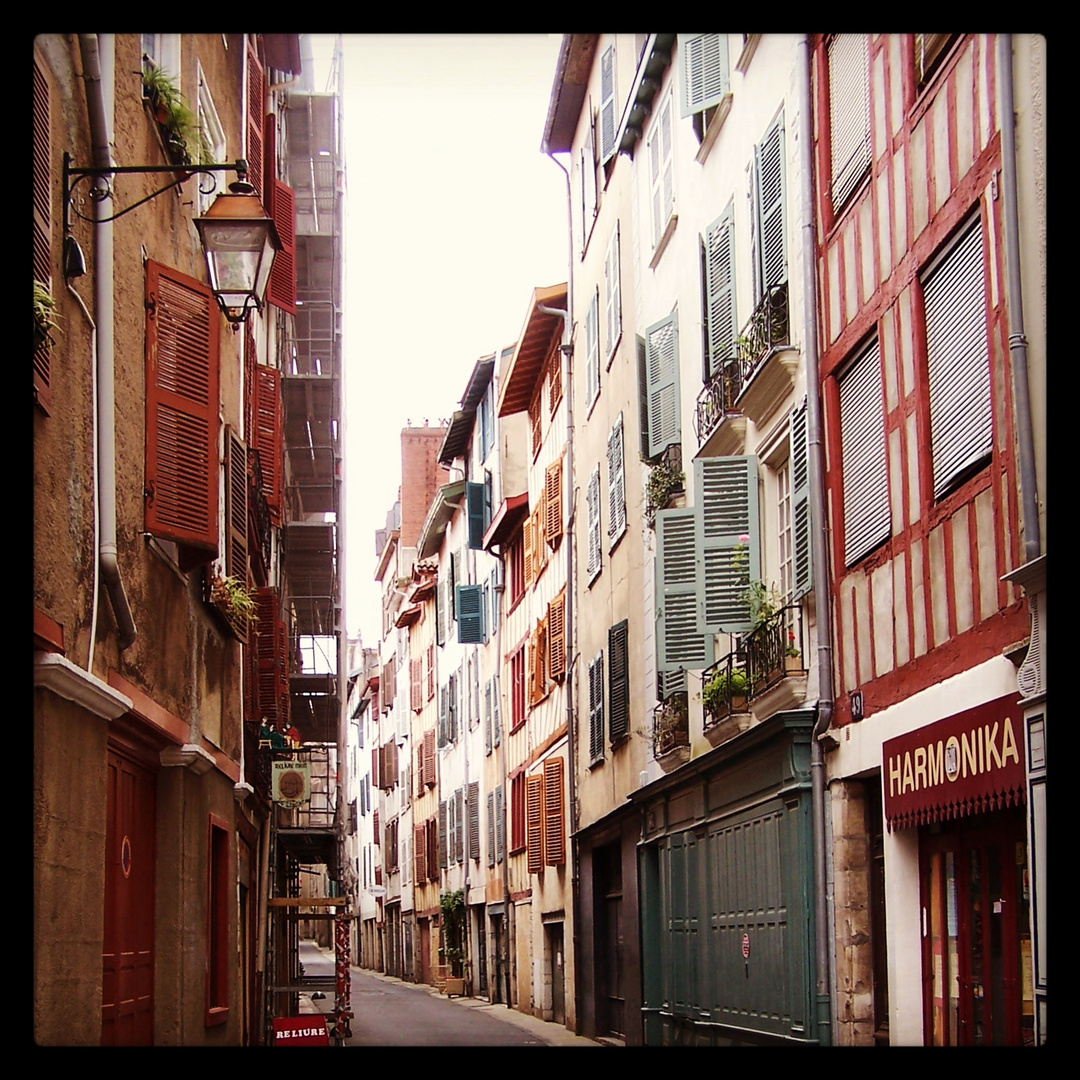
[
  {"x": 45, "y": 314},
  {"x": 158, "y": 89},
  {"x": 233, "y": 598}
]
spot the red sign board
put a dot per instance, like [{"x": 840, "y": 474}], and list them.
[
  {"x": 307, "y": 1030},
  {"x": 964, "y": 764},
  {"x": 746, "y": 946}
]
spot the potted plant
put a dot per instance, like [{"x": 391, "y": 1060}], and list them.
[
  {"x": 45, "y": 315},
  {"x": 663, "y": 482},
  {"x": 726, "y": 689},
  {"x": 235, "y": 601},
  {"x": 671, "y": 724},
  {"x": 792, "y": 656}
]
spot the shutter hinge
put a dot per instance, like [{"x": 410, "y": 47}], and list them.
[{"x": 151, "y": 304}]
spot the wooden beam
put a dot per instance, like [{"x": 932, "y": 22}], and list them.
[{"x": 308, "y": 901}]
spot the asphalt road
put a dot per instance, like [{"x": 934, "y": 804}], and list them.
[{"x": 389, "y": 1012}]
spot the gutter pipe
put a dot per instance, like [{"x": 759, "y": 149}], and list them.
[
  {"x": 824, "y": 1020},
  {"x": 567, "y": 348},
  {"x": 1029, "y": 502},
  {"x": 91, "y": 47}
]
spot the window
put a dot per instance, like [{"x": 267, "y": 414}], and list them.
[
  {"x": 515, "y": 572},
  {"x": 517, "y": 689},
  {"x": 849, "y": 113},
  {"x": 769, "y": 231},
  {"x": 616, "y": 484},
  {"x": 930, "y": 51},
  {"x": 783, "y": 529},
  {"x": 477, "y": 512},
  {"x": 662, "y": 384},
  {"x": 535, "y": 416},
  {"x": 588, "y": 178},
  {"x": 862, "y": 450},
  {"x": 430, "y": 672},
  {"x": 609, "y": 119},
  {"x": 704, "y": 80},
  {"x": 217, "y": 924},
  {"x": 211, "y": 134},
  {"x": 592, "y": 354},
  {"x": 618, "y": 683},
  {"x": 718, "y": 276},
  {"x": 470, "y": 609},
  {"x": 592, "y": 500},
  {"x": 182, "y": 451},
  {"x": 162, "y": 50},
  {"x": 487, "y": 421},
  {"x": 596, "y": 708},
  {"x": 612, "y": 296},
  {"x": 957, "y": 360},
  {"x": 661, "y": 178}
]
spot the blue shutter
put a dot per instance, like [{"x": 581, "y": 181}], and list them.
[
  {"x": 726, "y": 511},
  {"x": 474, "y": 509},
  {"x": 679, "y": 606},
  {"x": 703, "y": 69},
  {"x": 470, "y": 608},
  {"x": 662, "y": 375}
]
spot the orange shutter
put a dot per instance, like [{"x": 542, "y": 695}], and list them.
[
  {"x": 534, "y": 821},
  {"x": 268, "y": 437},
  {"x": 42, "y": 219},
  {"x": 256, "y": 116},
  {"x": 553, "y": 503},
  {"x": 527, "y": 546},
  {"x": 181, "y": 488},
  {"x": 555, "y": 380},
  {"x": 268, "y": 645},
  {"x": 420, "y": 852},
  {"x": 554, "y": 840},
  {"x": 557, "y": 637}
]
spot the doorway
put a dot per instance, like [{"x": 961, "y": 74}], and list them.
[
  {"x": 976, "y": 935},
  {"x": 127, "y": 1004},
  {"x": 553, "y": 932}
]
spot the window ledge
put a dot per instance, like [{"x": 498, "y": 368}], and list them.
[
  {"x": 614, "y": 349},
  {"x": 747, "y": 54},
  {"x": 723, "y": 107},
  {"x": 669, "y": 229}
]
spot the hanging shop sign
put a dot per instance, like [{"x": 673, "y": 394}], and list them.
[
  {"x": 301, "y": 1031},
  {"x": 965, "y": 764},
  {"x": 291, "y": 782}
]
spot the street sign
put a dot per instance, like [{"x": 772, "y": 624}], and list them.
[
  {"x": 746, "y": 946},
  {"x": 301, "y": 1031}
]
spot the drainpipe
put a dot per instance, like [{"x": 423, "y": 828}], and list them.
[
  {"x": 824, "y": 1021},
  {"x": 103, "y": 304},
  {"x": 567, "y": 348},
  {"x": 1025, "y": 443}
]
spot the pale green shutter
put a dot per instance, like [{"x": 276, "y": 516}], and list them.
[
  {"x": 596, "y": 708},
  {"x": 703, "y": 69},
  {"x": 720, "y": 290},
  {"x": 616, "y": 483},
  {"x": 608, "y": 118},
  {"x": 662, "y": 373},
  {"x": 468, "y": 601},
  {"x": 475, "y": 498},
  {"x": 769, "y": 157},
  {"x": 800, "y": 502},
  {"x": 726, "y": 532},
  {"x": 679, "y": 612}
]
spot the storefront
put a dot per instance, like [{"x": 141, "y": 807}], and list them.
[{"x": 960, "y": 784}]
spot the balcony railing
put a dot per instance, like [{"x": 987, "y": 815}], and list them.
[
  {"x": 717, "y": 399},
  {"x": 771, "y": 652},
  {"x": 767, "y": 328},
  {"x": 671, "y": 727}
]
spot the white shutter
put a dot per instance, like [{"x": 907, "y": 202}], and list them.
[
  {"x": 592, "y": 352},
  {"x": 612, "y": 295},
  {"x": 849, "y": 112},
  {"x": 769, "y": 173},
  {"x": 662, "y": 374},
  {"x": 862, "y": 450},
  {"x": 608, "y": 119},
  {"x": 616, "y": 483},
  {"x": 704, "y": 70},
  {"x": 592, "y": 500},
  {"x": 679, "y": 612},
  {"x": 961, "y": 421}
]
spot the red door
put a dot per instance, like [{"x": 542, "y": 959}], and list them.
[{"x": 127, "y": 1006}]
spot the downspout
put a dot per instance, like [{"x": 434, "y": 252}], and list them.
[
  {"x": 824, "y": 1022},
  {"x": 1029, "y": 500},
  {"x": 567, "y": 348},
  {"x": 103, "y": 306}
]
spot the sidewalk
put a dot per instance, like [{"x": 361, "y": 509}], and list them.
[{"x": 550, "y": 1034}]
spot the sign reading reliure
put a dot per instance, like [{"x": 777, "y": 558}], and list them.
[{"x": 965, "y": 764}]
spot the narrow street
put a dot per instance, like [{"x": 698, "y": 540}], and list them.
[{"x": 390, "y": 1012}]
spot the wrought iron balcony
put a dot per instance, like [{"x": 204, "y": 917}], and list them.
[
  {"x": 768, "y": 327},
  {"x": 671, "y": 726},
  {"x": 772, "y": 651},
  {"x": 717, "y": 399}
]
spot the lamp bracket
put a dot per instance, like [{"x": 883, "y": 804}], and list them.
[{"x": 75, "y": 175}]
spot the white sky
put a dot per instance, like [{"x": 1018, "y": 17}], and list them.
[{"x": 453, "y": 216}]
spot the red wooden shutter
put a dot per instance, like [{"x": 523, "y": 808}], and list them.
[
  {"x": 554, "y": 840},
  {"x": 268, "y": 437},
  {"x": 256, "y": 113},
  {"x": 267, "y": 644},
  {"x": 181, "y": 490},
  {"x": 420, "y": 852},
  {"x": 419, "y": 771},
  {"x": 376, "y": 761},
  {"x": 281, "y": 289},
  {"x": 416, "y": 672},
  {"x": 42, "y": 219},
  {"x": 534, "y": 821}
]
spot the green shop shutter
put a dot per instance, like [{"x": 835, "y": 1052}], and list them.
[
  {"x": 726, "y": 512},
  {"x": 662, "y": 376},
  {"x": 703, "y": 70},
  {"x": 679, "y": 604}
]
